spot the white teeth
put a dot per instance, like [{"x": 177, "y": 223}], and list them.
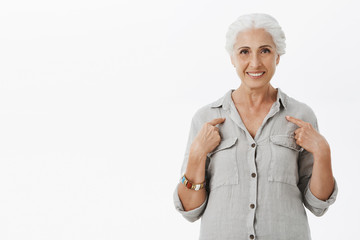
[{"x": 256, "y": 74}]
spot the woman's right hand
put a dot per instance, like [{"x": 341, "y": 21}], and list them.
[{"x": 208, "y": 138}]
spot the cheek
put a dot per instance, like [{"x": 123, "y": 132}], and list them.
[
  {"x": 274, "y": 66},
  {"x": 271, "y": 64},
  {"x": 242, "y": 71},
  {"x": 241, "y": 65}
]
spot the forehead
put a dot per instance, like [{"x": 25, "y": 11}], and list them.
[{"x": 254, "y": 38}]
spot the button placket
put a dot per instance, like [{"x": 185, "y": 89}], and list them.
[{"x": 253, "y": 188}]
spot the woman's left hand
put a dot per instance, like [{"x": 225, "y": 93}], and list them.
[{"x": 308, "y": 138}]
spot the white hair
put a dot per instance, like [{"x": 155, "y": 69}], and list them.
[{"x": 254, "y": 21}]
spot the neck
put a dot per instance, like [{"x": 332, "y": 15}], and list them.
[{"x": 254, "y": 97}]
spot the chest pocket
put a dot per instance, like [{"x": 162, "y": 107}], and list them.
[
  {"x": 283, "y": 163},
  {"x": 222, "y": 168}
]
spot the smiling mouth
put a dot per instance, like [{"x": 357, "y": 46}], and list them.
[{"x": 255, "y": 75}]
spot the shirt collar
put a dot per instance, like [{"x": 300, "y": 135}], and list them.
[{"x": 226, "y": 100}]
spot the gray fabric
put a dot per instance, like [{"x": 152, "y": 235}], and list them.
[{"x": 280, "y": 189}]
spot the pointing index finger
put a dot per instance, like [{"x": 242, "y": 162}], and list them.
[
  {"x": 297, "y": 121},
  {"x": 216, "y": 121}
]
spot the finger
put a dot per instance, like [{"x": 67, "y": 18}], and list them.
[
  {"x": 297, "y": 121},
  {"x": 297, "y": 136},
  {"x": 217, "y": 121},
  {"x": 219, "y": 133},
  {"x": 297, "y": 131}
]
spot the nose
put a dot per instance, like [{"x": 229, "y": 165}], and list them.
[{"x": 255, "y": 61}]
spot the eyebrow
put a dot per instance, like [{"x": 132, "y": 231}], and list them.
[
  {"x": 265, "y": 46},
  {"x": 262, "y": 46}
]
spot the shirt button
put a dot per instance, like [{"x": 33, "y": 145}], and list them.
[
  {"x": 252, "y": 205},
  {"x": 252, "y": 236},
  {"x": 253, "y": 145},
  {"x": 253, "y": 175}
]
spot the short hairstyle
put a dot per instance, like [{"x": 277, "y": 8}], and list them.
[{"x": 256, "y": 20}]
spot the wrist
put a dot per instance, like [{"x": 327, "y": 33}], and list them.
[
  {"x": 196, "y": 155},
  {"x": 195, "y": 170},
  {"x": 322, "y": 153}
]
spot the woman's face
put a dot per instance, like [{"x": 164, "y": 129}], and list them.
[{"x": 255, "y": 57}]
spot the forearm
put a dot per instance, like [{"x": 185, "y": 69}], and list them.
[
  {"x": 195, "y": 172},
  {"x": 322, "y": 179}
]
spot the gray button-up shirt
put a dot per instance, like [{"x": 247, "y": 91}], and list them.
[{"x": 256, "y": 187}]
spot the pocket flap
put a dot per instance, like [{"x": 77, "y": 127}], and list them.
[
  {"x": 286, "y": 141},
  {"x": 225, "y": 143}
]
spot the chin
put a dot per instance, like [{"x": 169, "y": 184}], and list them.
[{"x": 255, "y": 84}]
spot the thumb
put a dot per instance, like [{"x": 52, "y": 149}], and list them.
[{"x": 217, "y": 121}]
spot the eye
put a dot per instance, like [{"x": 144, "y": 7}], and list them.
[
  {"x": 244, "y": 51},
  {"x": 265, "y": 50}
]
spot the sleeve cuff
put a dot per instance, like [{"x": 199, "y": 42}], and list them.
[
  {"x": 321, "y": 206},
  {"x": 191, "y": 215}
]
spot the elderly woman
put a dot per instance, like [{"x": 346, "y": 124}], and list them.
[{"x": 255, "y": 156}]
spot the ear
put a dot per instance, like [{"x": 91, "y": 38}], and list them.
[
  {"x": 232, "y": 60},
  {"x": 277, "y": 59}
]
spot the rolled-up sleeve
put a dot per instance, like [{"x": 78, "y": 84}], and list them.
[
  {"x": 191, "y": 215},
  {"x": 306, "y": 160},
  {"x": 317, "y": 206},
  {"x": 196, "y": 213}
]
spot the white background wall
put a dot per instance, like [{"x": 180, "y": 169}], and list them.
[{"x": 96, "y": 99}]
